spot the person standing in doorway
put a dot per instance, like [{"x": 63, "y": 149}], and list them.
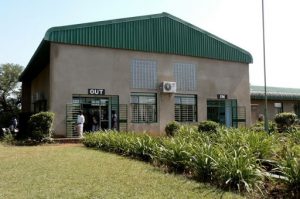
[
  {"x": 95, "y": 126},
  {"x": 114, "y": 120},
  {"x": 80, "y": 122}
]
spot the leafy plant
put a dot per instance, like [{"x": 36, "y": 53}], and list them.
[
  {"x": 260, "y": 127},
  {"x": 236, "y": 169},
  {"x": 175, "y": 153},
  {"x": 285, "y": 121},
  {"x": 8, "y": 137},
  {"x": 208, "y": 126},
  {"x": 171, "y": 128},
  {"x": 290, "y": 168},
  {"x": 202, "y": 164},
  {"x": 40, "y": 125}
]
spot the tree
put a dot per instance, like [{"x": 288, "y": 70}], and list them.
[{"x": 10, "y": 91}]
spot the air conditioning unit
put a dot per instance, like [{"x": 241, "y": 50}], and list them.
[{"x": 168, "y": 87}]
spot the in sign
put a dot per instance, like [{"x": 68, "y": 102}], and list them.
[
  {"x": 96, "y": 91},
  {"x": 222, "y": 96}
]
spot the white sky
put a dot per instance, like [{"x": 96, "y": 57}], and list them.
[{"x": 24, "y": 23}]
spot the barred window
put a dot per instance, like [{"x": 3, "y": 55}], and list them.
[
  {"x": 186, "y": 108},
  {"x": 143, "y": 74},
  {"x": 185, "y": 76},
  {"x": 143, "y": 107}
]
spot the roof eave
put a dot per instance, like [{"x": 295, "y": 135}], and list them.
[{"x": 40, "y": 56}]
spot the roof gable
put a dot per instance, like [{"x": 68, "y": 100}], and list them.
[{"x": 160, "y": 33}]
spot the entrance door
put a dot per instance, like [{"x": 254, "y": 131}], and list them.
[
  {"x": 222, "y": 111},
  {"x": 97, "y": 114}
]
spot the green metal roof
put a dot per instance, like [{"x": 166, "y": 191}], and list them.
[
  {"x": 159, "y": 33},
  {"x": 275, "y": 93}
]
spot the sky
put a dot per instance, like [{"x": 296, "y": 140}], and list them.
[{"x": 23, "y": 24}]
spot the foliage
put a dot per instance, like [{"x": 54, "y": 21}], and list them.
[
  {"x": 239, "y": 159},
  {"x": 208, "y": 126},
  {"x": 285, "y": 121},
  {"x": 8, "y": 138},
  {"x": 174, "y": 153},
  {"x": 236, "y": 168},
  {"x": 171, "y": 128},
  {"x": 40, "y": 125},
  {"x": 260, "y": 126},
  {"x": 139, "y": 146},
  {"x": 289, "y": 166},
  {"x": 9, "y": 91}
]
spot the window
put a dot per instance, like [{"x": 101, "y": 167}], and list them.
[
  {"x": 40, "y": 105},
  {"x": 297, "y": 109},
  {"x": 186, "y": 108},
  {"x": 143, "y": 107},
  {"x": 185, "y": 76},
  {"x": 278, "y": 107},
  {"x": 143, "y": 74}
]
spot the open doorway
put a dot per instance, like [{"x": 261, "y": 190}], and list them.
[{"x": 222, "y": 111}]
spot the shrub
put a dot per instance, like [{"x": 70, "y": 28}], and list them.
[
  {"x": 129, "y": 144},
  {"x": 171, "y": 128},
  {"x": 237, "y": 169},
  {"x": 202, "y": 161},
  {"x": 290, "y": 168},
  {"x": 260, "y": 126},
  {"x": 285, "y": 121},
  {"x": 8, "y": 137},
  {"x": 208, "y": 126},
  {"x": 174, "y": 153},
  {"x": 40, "y": 125}
]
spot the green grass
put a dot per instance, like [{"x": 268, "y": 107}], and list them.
[{"x": 73, "y": 171}]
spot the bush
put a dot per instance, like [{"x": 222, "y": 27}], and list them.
[
  {"x": 290, "y": 168},
  {"x": 171, "y": 128},
  {"x": 239, "y": 159},
  {"x": 236, "y": 169},
  {"x": 260, "y": 126},
  {"x": 8, "y": 137},
  {"x": 40, "y": 125},
  {"x": 285, "y": 121},
  {"x": 208, "y": 126}
]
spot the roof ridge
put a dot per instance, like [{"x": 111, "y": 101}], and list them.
[{"x": 105, "y": 22}]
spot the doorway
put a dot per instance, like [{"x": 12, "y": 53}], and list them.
[
  {"x": 222, "y": 111},
  {"x": 97, "y": 115},
  {"x": 97, "y": 111}
]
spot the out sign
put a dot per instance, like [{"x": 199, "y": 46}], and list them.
[{"x": 96, "y": 91}]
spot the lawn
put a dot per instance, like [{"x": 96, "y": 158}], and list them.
[{"x": 73, "y": 171}]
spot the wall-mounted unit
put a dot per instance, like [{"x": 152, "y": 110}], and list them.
[{"x": 168, "y": 87}]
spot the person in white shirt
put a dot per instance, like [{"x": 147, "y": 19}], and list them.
[{"x": 80, "y": 122}]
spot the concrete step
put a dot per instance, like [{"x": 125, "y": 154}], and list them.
[{"x": 67, "y": 140}]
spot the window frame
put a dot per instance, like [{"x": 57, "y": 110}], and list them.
[
  {"x": 143, "y": 108},
  {"x": 182, "y": 106}
]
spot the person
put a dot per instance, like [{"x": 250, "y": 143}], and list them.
[
  {"x": 80, "y": 122},
  {"x": 95, "y": 124},
  {"x": 114, "y": 119},
  {"x": 13, "y": 125},
  {"x": 261, "y": 117}
]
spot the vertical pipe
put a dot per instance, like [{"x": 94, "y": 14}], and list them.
[{"x": 265, "y": 76}]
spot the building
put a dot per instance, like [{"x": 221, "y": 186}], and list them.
[
  {"x": 279, "y": 100},
  {"x": 148, "y": 70}
]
